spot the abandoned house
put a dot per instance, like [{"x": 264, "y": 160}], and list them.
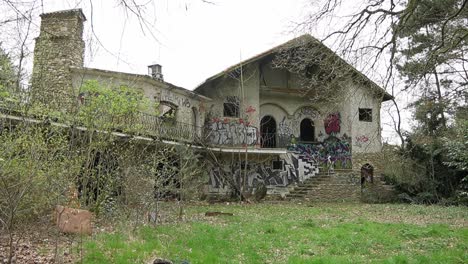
[{"x": 268, "y": 125}]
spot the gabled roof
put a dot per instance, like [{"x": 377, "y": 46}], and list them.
[{"x": 296, "y": 42}]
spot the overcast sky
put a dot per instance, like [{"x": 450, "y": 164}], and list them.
[{"x": 193, "y": 40}]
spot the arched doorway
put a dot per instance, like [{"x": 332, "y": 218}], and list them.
[
  {"x": 367, "y": 174},
  {"x": 268, "y": 132},
  {"x": 307, "y": 130}
]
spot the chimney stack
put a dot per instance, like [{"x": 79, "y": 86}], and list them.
[
  {"x": 155, "y": 71},
  {"x": 59, "y": 46}
]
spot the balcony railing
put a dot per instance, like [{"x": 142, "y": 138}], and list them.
[
  {"x": 140, "y": 124},
  {"x": 163, "y": 128},
  {"x": 150, "y": 125},
  {"x": 273, "y": 140}
]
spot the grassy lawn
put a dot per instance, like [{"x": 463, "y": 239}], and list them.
[{"x": 295, "y": 233}]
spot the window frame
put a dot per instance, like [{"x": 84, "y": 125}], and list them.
[
  {"x": 165, "y": 116},
  {"x": 231, "y": 107},
  {"x": 365, "y": 114}
]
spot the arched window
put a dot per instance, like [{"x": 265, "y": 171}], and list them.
[
  {"x": 268, "y": 132},
  {"x": 167, "y": 110},
  {"x": 307, "y": 130}
]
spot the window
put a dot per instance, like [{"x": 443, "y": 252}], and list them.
[
  {"x": 277, "y": 165},
  {"x": 231, "y": 106},
  {"x": 365, "y": 114},
  {"x": 307, "y": 130},
  {"x": 167, "y": 110}
]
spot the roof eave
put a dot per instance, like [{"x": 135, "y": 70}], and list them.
[{"x": 143, "y": 77}]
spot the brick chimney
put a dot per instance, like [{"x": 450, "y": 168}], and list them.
[{"x": 155, "y": 71}]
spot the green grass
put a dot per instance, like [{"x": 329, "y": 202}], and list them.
[{"x": 295, "y": 233}]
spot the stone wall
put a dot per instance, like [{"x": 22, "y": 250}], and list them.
[
  {"x": 376, "y": 160},
  {"x": 59, "y": 46},
  {"x": 377, "y": 190}
]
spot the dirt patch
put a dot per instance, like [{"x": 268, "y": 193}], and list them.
[{"x": 43, "y": 245}]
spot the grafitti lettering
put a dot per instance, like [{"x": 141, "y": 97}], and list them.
[
  {"x": 176, "y": 99},
  {"x": 338, "y": 151},
  {"x": 223, "y": 132},
  {"x": 360, "y": 140},
  {"x": 295, "y": 169},
  {"x": 308, "y": 112},
  {"x": 284, "y": 127}
]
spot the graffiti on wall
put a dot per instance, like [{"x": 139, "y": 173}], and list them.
[
  {"x": 284, "y": 127},
  {"x": 250, "y": 110},
  {"x": 307, "y": 111},
  {"x": 178, "y": 100},
  {"x": 292, "y": 169},
  {"x": 361, "y": 140},
  {"x": 336, "y": 151},
  {"x": 225, "y": 132},
  {"x": 332, "y": 124}
]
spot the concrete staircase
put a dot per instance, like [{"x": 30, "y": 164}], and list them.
[{"x": 342, "y": 185}]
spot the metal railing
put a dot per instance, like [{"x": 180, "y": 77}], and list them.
[
  {"x": 273, "y": 140},
  {"x": 163, "y": 128},
  {"x": 139, "y": 123},
  {"x": 145, "y": 124}
]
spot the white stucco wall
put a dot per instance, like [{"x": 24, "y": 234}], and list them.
[{"x": 366, "y": 136}]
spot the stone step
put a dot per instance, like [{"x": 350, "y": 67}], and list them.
[
  {"x": 328, "y": 180},
  {"x": 299, "y": 188},
  {"x": 295, "y": 196},
  {"x": 299, "y": 192},
  {"x": 315, "y": 184}
]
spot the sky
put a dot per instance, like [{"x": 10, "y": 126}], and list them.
[{"x": 191, "y": 39}]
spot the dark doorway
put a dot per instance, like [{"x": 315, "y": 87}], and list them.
[
  {"x": 367, "y": 174},
  {"x": 268, "y": 132},
  {"x": 307, "y": 130}
]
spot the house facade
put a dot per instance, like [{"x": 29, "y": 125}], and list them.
[{"x": 257, "y": 118}]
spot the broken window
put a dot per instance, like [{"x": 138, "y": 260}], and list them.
[
  {"x": 167, "y": 110},
  {"x": 231, "y": 106},
  {"x": 365, "y": 114}
]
